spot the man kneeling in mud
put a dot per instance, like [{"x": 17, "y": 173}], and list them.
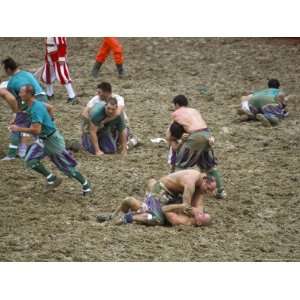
[
  {"x": 268, "y": 106},
  {"x": 176, "y": 199}
]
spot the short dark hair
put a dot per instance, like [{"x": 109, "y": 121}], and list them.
[
  {"x": 112, "y": 101},
  {"x": 180, "y": 100},
  {"x": 105, "y": 87},
  {"x": 9, "y": 63},
  {"x": 273, "y": 83},
  {"x": 176, "y": 130}
]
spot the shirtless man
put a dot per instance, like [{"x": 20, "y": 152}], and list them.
[
  {"x": 175, "y": 199},
  {"x": 196, "y": 147}
]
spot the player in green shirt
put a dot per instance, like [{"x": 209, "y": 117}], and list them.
[
  {"x": 99, "y": 138},
  {"x": 49, "y": 142},
  {"x": 267, "y": 106}
]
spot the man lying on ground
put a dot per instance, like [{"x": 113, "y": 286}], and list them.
[
  {"x": 176, "y": 199},
  {"x": 196, "y": 147}
]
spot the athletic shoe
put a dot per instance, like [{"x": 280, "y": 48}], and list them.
[
  {"x": 103, "y": 217},
  {"x": 8, "y": 158},
  {"x": 51, "y": 185},
  {"x": 265, "y": 122},
  {"x": 132, "y": 142},
  {"x": 221, "y": 195},
  {"x": 86, "y": 189},
  {"x": 50, "y": 98}
]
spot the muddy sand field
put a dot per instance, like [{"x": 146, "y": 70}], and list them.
[{"x": 259, "y": 221}]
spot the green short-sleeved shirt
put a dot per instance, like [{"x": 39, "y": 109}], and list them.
[
  {"x": 259, "y": 101},
  {"x": 97, "y": 114},
  {"x": 22, "y": 78},
  {"x": 267, "y": 92},
  {"x": 38, "y": 113}
]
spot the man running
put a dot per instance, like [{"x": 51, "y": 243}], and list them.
[
  {"x": 19, "y": 78},
  {"x": 196, "y": 147},
  {"x": 103, "y": 130},
  {"x": 49, "y": 142},
  {"x": 175, "y": 199}
]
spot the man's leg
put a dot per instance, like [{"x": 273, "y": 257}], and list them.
[
  {"x": 15, "y": 138},
  {"x": 25, "y": 141},
  {"x": 117, "y": 49},
  {"x": 48, "y": 77},
  {"x": 107, "y": 143},
  {"x": 33, "y": 161},
  {"x": 129, "y": 203},
  {"x": 265, "y": 122},
  {"x": 219, "y": 181},
  {"x": 187, "y": 156},
  {"x": 64, "y": 161},
  {"x": 101, "y": 56}
]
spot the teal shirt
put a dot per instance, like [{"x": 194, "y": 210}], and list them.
[
  {"x": 38, "y": 113},
  {"x": 22, "y": 78},
  {"x": 267, "y": 92},
  {"x": 97, "y": 114}
]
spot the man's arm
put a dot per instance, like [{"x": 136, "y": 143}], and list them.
[
  {"x": 34, "y": 129},
  {"x": 10, "y": 99},
  {"x": 123, "y": 142},
  {"x": 188, "y": 193},
  {"x": 50, "y": 110},
  {"x": 178, "y": 208},
  {"x": 197, "y": 200},
  {"x": 94, "y": 139}
]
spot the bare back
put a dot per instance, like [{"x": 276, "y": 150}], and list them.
[
  {"x": 176, "y": 182},
  {"x": 189, "y": 118}
]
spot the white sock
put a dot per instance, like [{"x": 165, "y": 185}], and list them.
[
  {"x": 70, "y": 91},
  {"x": 49, "y": 89}
]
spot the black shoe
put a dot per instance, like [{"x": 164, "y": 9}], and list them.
[
  {"x": 96, "y": 69},
  {"x": 51, "y": 98},
  {"x": 72, "y": 101},
  {"x": 121, "y": 71},
  {"x": 103, "y": 218}
]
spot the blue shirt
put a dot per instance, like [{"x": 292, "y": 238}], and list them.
[
  {"x": 21, "y": 78},
  {"x": 38, "y": 113}
]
